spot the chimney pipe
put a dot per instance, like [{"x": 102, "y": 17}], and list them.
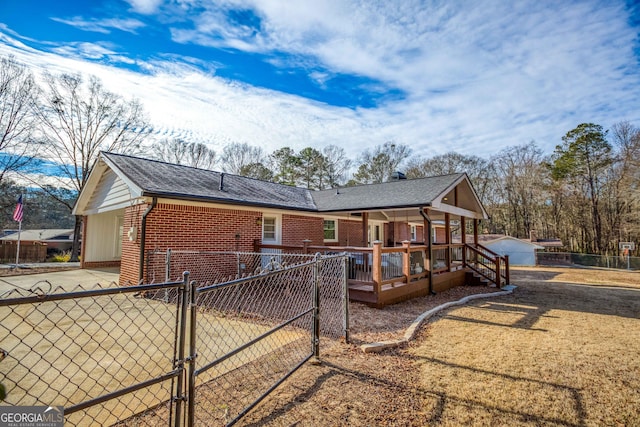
[{"x": 221, "y": 181}]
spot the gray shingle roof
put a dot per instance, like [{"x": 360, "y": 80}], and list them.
[
  {"x": 157, "y": 178},
  {"x": 403, "y": 193},
  {"x": 169, "y": 180}
]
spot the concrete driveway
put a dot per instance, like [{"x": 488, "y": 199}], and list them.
[{"x": 68, "y": 279}]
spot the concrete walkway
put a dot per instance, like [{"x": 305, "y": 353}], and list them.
[{"x": 68, "y": 279}]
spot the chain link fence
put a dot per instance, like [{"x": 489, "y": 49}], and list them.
[
  {"x": 105, "y": 354},
  {"x": 587, "y": 260},
  {"x": 179, "y": 353}
]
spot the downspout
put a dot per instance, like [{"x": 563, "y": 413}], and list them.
[
  {"x": 430, "y": 245},
  {"x": 143, "y": 236}
]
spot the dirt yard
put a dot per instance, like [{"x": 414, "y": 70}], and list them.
[{"x": 562, "y": 350}]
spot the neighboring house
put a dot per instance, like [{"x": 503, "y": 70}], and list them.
[
  {"x": 549, "y": 245},
  {"x": 35, "y": 245},
  {"x": 56, "y": 239},
  {"x": 132, "y": 206}
]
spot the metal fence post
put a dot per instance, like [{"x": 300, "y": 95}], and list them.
[
  {"x": 316, "y": 307},
  {"x": 167, "y": 266},
  {"x": 184, "y": 300},
  {"x": 345, "y": 297},
  {"x": 191, "y": 396}
]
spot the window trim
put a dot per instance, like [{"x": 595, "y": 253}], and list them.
[
  {"x": 278, "y": 229},
  {"x": 335, "y": 229}
]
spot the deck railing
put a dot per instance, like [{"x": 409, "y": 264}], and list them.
[{"x": 379, "y": 269}]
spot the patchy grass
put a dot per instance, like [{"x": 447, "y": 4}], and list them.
[{"x": 559, "y": 351}]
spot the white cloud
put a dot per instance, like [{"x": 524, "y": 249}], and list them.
[
  {"x": 103, "y": 26},
  {"x": 478, "y": 77},
  {"x": 92, "y": 51},
  {"x": 145, "y": 6}
]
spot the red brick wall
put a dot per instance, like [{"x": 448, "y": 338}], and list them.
[
  {"x": 350, "y": 233},
  {"x": 187, "y": 228},
  {"x": 129, "y": 262},
  {"x": 296, "y": 228},
  {"x": 204, "y": 229}
]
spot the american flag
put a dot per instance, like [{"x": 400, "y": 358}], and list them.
[{"x": 18, "y": 213}]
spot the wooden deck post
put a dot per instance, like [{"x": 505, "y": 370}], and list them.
[
  {"x": 506, "y": 270},
  {"x": 406, "y": 260},
  {"x": 498, "y": 272},
  {"x": 475, "y": 231},
  {"x": 305, "y": 246},
  {"x": 447, "y": 231},
  {"x": 376, "y": 269},
  {"x": 365, "y": 229},
  {"x": 463, "y": 236}
]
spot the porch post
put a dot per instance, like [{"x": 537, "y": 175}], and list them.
[
  {"x": 365, "y": 229},
  {"x": 475, "y": 231},
  {"x": 429, "y": 242},
  {"x": 376, "y": 269},
  {"x": 406, "y": 260},
  {"x": 447, "y": 230},
  {"x": 463, "y": 236}
]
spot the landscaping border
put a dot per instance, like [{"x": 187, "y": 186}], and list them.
[{"x": 411, "y": 331}]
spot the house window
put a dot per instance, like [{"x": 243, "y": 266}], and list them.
[
  {"x": 330, "y": 230},
  {"x": 414, "y": 233},
  {"x": 268, "y": 229}
]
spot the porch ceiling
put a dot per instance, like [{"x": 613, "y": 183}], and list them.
[{"x": 399, "y": 215}]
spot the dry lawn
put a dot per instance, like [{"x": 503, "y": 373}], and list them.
[{"x": 564, "y": 349}]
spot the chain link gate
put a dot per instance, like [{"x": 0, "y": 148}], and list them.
[
  {"x": 104, "y": 354},
  {"x": 188, "y": 354}
]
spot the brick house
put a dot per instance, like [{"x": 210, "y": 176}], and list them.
[{"x": 133, "y": 205}]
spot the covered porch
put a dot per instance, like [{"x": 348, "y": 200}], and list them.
[
  {"x": 380, "y": 275},
  {"x": 406, "y": 238}
]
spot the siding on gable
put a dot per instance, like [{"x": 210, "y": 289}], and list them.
[{"x": 110, "y": 193}]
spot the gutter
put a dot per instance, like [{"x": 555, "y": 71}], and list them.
[
  {"x": 430, "y": 244},
  {"x": 143, "y": 236}
]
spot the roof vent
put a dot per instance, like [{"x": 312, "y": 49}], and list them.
[
  {"x": 221, "y": 182},
  {"x": 397, "y": 176}
]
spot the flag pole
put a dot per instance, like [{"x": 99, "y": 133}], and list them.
[
  {"x": 18, "y": 215},
  {"x": 18, "y": 248}
]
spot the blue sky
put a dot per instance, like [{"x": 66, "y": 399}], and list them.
[{"x": 472, "y": 77}]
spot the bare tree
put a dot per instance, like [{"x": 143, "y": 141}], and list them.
[
  {"x": 335, "y": 166},
  {"x": 178, "y": 151},
  {"x": 18, "y": 92},
  {"x": 237, "y": 157},
  {"x": 377, "y": 165},
  {"x": 480, "y": 171},
  {"x": 78, "y": 121}
]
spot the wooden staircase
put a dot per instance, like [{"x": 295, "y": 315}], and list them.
[{"x": 485, "y": 267}]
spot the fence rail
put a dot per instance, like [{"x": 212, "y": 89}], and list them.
[
  {"x": 175, "y": 353},
  {"x": 588, "y": 260}
]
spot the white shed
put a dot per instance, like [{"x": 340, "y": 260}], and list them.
[{"x": 521, "y": 252}]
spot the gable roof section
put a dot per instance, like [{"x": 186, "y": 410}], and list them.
[
  {"x": 402, "y": 193},
  {"x": 152, "y": 178},
  {"x": 159, "y": 179}
]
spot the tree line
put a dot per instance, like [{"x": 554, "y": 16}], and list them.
[{"x": 586, "y": 192}]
